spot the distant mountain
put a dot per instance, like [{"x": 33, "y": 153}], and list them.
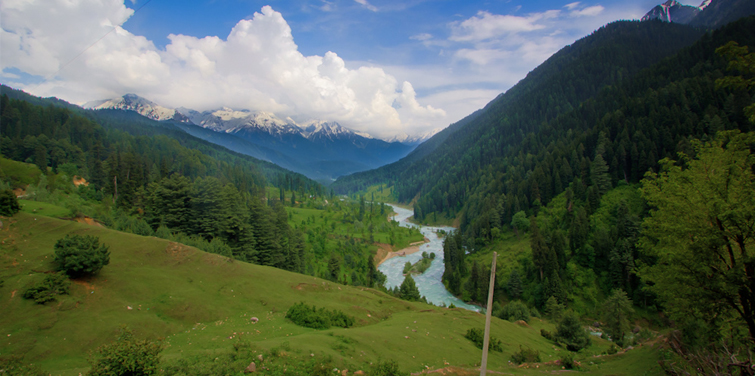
[
  {"x": 230, "y": 121},
  {"x": 144, "y": 107},
  {"x": 416, "y": 139},
  {"x": 319, "y": 149},
  {"x": 711, "y": 14},
  {"x": 673, "y": 11}
]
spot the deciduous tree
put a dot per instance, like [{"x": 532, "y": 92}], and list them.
[{"x": 701, "y": 230}]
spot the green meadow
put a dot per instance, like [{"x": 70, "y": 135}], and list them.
[{"x": 200, "y": 306}]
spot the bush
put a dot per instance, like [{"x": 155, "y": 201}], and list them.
[
  {"x": 81, "y": 255},
  {"x": 612, "y": 350},
  {"x": 546, "y": 334},
  {"x": 8, "y": 203},
  {"x": 309, "y": 316},
  {"x": 48, "y": 289},
  {"x": 567, "y": 360},
  {"x": 126, "y": 356},
  {"x": 570, "y": 332},
  {"x": 525, "y": 355},
  {"x": 387, "y": 368},
  {"x": 15, "y": 365},
  {"x": 477, "y": 336},
  {"x": 515, "y": 311}
]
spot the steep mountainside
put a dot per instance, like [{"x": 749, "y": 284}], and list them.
[
  {"x": 673, "y": 11},
  {"x": 722, "y": 12},
  {"x": 576, "y": 73},
  {"x": 625, "y": 131}
]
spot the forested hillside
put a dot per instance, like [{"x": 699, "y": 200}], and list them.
[
  {"x": 447, "y": 166},
  {"x": 151, "y": 179}
]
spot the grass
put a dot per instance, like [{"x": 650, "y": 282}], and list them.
[
  {"x": 201, "y": 303},
  {"x": 43, "y": 208},
  {"x": 335, "y": 225},
  {"x": 380, "y": 192},
  {"x": 20, "y": 174}
]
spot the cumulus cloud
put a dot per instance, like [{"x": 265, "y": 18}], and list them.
[{"x": 257, "y": 66}]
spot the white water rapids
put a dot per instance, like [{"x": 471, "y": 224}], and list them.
[{"x": 429, "y": 283}]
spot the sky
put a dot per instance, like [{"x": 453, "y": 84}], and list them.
[{"x": 385, "y": 67}]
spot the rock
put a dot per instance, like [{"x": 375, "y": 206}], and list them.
[
  {"x": 360, "y": 372},
  {"x": 344, "y": 372},
  {"x": 251, "y": 368},
  {"x": 522, "y": 323},
  {"x": 259, "y": 357},
  {"x": 254, "y": 320}
]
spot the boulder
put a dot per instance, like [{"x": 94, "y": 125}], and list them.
[{"x": 251, "y": 368}]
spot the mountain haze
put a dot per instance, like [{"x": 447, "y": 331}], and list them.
[{"x": 319, "y": 149}]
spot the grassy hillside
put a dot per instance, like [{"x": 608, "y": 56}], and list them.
[{"x": 201, "y": 303}]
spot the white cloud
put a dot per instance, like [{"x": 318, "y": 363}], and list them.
[
  {"x": 486, "y": 25},
  {"x": 571, "y": 6},
  {"x": 421, "y": 37},
  {"x": 589, "y": 11},
  {"x": 258, "y": 66},
  {"x": 367, "y": 5}
]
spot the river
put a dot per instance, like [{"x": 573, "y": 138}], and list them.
[{"x": 429, "y": 283}]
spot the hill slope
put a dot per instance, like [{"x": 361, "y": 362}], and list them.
[
  {"x": 574, "y": 74},
  {"x": 201, "y": 303}
]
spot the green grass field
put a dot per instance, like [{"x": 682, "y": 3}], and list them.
[
  {"x": 43, "y": 208},
  {"x": 20, "y": 174},
  {"x": 201, "y": 303}
]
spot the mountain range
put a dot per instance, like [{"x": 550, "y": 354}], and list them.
[{"x": 321, "y": 150}]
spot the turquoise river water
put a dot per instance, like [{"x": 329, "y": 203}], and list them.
[{"x": 429, "y": 283}]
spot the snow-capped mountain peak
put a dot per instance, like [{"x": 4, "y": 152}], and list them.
[
  {"x": 318, "y": 129},
  {"x": 673, "y": 11},
  {"x": 133, "y": 102},
  {"x": 415, "y": 139}
]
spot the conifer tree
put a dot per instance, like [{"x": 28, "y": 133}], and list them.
[{"x": 408, "y": 290}]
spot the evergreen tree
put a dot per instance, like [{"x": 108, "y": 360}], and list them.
[
  {"x": 514, "y": 285},
  {"x": 408, "y": 290},
  {"x": 616, "y": 311}
]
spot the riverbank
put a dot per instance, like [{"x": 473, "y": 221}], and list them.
[{"x": 384, "y": 252}]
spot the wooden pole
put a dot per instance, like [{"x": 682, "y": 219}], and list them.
[{"x": 486, "y": 341}]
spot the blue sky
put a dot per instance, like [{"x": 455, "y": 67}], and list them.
[{"x": 382, "y": 67}]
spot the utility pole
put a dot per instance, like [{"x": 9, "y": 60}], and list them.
[{"x": 486, "y": 341}]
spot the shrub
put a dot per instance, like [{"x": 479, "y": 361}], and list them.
[
  {"x": 515, "y": 311},
  {"x": 570, "y": 332},
  {"x": 567, "y": 360},
  {"x": 387, "y": 368},
  {"x": 15, "y": 365},
  {"x": 309, "y": 316},
  {"x": 49, "y": 288},
  {"x": 525, "y": 355},
  {"x": 477, "y": 336},
  {"x": 546, "y": 334},
  {"x": 612, "y": 350},
  {"x": 81, "y": 255},
  {"x": 8, "y": 203},
  {"x": 126, "y": 356}
]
